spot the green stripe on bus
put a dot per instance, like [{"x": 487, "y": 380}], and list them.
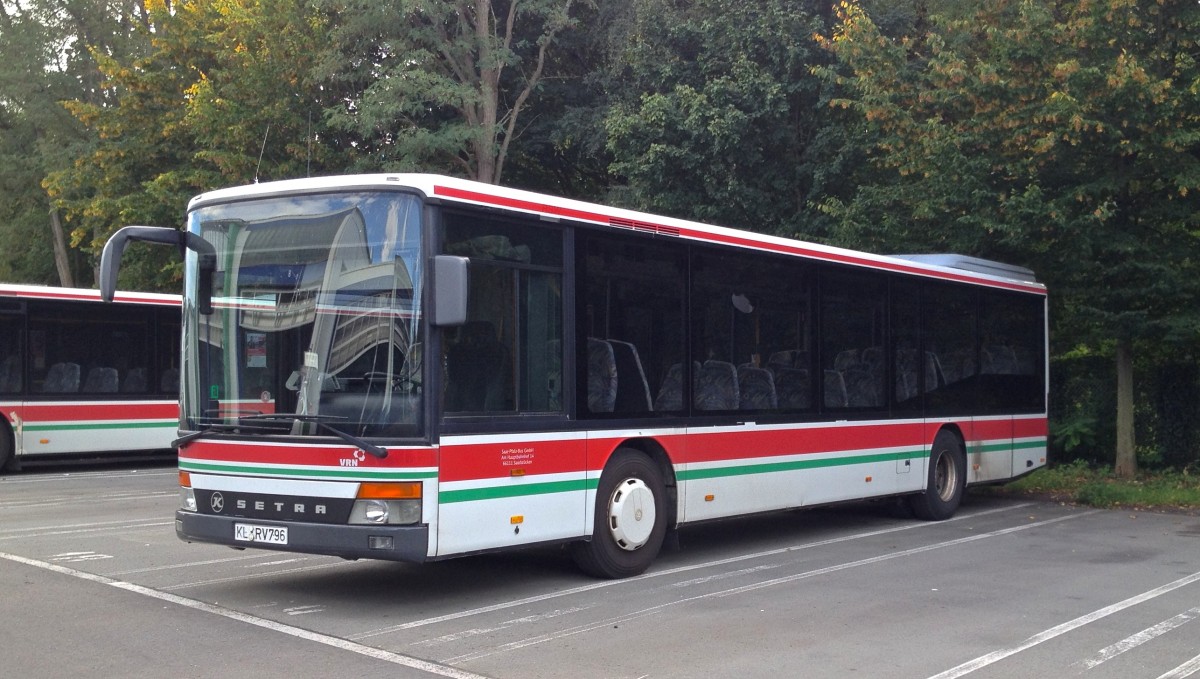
[
  {"x": 313, "y": 474},
  {"x": 100, "y": 425},
  {"x": 794, "y": 465},
  {"x": 1007, "y": 447},
  {"x": 498, "y": 492}
]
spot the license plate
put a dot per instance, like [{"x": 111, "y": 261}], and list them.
[{"x": 271, "y": 535}]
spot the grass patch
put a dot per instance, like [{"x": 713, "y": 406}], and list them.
[{"x": 1078, "y": 483}]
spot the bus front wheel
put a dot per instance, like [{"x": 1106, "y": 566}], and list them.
[
  {"x": 947, "y": 480},
  {"x": 7, "y": 461},
  {"x": 630, "y": 520}
]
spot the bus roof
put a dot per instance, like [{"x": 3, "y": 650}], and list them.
[
  {"x": 84, "y": 295},
  {"x": 451, "y": 189}
]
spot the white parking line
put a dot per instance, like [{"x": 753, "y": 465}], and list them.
[
  {"x": 78, "y": 529},
  {"x": 248, "y": 576},
  {"x": 192, "y": 564},
  {"x": 334, "y": 642},
  {"x": 43, "y": 502},
  {"x": 766, "y": 583},
  {"x": 1133, "y": 641},
  {"x": 996, "y": 656},
  {"x": 82, "y": 476},
  {"x": 1183, "y": 671},
  {"x": 673, "y": 571}
]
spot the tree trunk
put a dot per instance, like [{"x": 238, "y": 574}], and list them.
[
  {"x": 60, "y": 251},
  {"x": 1126, "y": 462}
]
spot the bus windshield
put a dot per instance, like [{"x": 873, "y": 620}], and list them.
[{"x": 316, "y": 318}]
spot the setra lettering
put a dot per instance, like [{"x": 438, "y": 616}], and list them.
[{"x": 280, "y": 507}]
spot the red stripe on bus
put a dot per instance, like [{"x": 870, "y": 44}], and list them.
[
  {"x": 83, "y": 295},
  {"x": 1030, "y": 427},
  {"x": 473, "y": 461},
  {"x": 59, "y": 412},
  {"x": 774, "y": 443},
  {"x": 508, "y": 459}
]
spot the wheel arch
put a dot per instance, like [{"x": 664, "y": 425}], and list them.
[{"x": 955, "y": 429}]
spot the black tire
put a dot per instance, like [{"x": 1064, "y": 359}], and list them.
[
  {"x": 947, "y": 480},
  {"x": 7, "y": 461},
  {"x": 631, "y": 518}
]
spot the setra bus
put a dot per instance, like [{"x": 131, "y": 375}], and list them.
[
  {"x": 415, "y": 367},
  {"x": 81, "y": 377}
]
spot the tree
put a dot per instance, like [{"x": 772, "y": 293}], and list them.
[
  {"x": 217, "y": 96},
  {"x": 717, "y": 112},
  {"x": 1062, "y": 135},
  {"x": 45, "y": 59},
  {"x": 431, "y": 84}
]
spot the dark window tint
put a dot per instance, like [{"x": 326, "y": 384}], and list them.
[
  {"x": 751, "y": 333},
  {"x": 630, "y": 353},
  {"x": 11, "y": 362},
  {"x": 911, "y": 367},
  {"x": 950, "y": 322},
  {"x": 508, "y": 356},
  {"x": 1012, "y": 364},
  {"x": 90, "y": 349},
  {"x": 853, "y": 321}
]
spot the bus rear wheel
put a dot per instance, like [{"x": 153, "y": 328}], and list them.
[
  {"x": 947, "y": 480},
  {"x": 630, "y": 518}
]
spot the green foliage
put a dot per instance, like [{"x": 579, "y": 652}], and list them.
[
  {"x": 215, "y": 95},
  {"x": 719, "y": 112},
  {"x": 437, "y": 85},
  {"x": 1059, "y": 136},
  {"x": 42, "y": 62},
  {"x": 1081, "y": 483}
]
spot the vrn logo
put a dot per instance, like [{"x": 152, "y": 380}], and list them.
[{"x": 359, "y": 456}]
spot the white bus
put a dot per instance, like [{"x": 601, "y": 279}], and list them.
[
  {"x": 81, "y": 377},
  {"x": 415, "y": 367}
]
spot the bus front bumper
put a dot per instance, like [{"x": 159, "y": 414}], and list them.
[{"x": 391, "y": 543}]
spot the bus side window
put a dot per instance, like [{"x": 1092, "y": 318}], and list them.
[
  {"x": 508, "y": 355},
  {"x": 629, "y": 356},
  {"x": 852, "y": 339},
  {"x": 12, "y": 367}
]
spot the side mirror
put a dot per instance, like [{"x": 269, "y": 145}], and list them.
[
  {"x": 450, "y": 284},
  {"x": 110, "y": 258}
]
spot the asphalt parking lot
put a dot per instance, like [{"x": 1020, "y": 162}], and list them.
[{"x": 96, "y": 584}]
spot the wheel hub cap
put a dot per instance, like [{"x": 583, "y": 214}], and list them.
[{"x": 631, "y": 514}]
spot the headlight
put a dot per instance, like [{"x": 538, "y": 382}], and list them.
[
  {"x": 187, "y": 499},
  {"x": 394, "y": 503},
  {"x": 379, "y": 512}
]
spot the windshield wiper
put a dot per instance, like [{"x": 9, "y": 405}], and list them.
[
  {"x": 322, "y": 422},
  {"x": 203, "y": 431}
]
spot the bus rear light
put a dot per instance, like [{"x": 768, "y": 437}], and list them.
[{"x": 409, "y": 490}]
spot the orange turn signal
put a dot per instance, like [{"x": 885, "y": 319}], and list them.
[
  {"x": 408, "y": 490},
  {"x": 185, "y": 479}
]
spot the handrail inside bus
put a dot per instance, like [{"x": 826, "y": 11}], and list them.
[{"x": 110, "y": 259}]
